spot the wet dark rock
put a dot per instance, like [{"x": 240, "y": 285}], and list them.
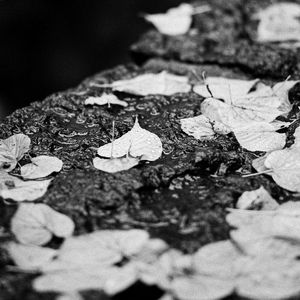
[{"x": 182, "y": 197}]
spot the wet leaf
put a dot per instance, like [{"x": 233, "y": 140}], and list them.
[
  {"x": 137, "y": 143},
  {"x": 113, "y": 165},
  {"x": 28, "y": 257},
  {"x": 260, "y": 136},
  {"x": 152, "y": 84},
  {"x": 12, "y": 150},
  {"x": 279, "y": 23},
  {"x": 200, "y": 127},
  {"x": 105, "y": 99},
  {"x": 16, "y": 189},
  {"x": 258, "y": 199},
  {"x": 175, "y": 21},
  {"x": 41, "y": 166},
  {"x": 34, "y": 224}
]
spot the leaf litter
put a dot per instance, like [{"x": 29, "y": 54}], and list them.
[{"x": 162, "y": 83}]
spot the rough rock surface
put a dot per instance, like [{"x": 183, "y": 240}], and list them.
[{"x": 183, "y": 196}]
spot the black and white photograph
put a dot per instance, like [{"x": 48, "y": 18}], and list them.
[{"x": 150, "y": 150}]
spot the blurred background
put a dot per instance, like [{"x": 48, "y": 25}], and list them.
[{"x": 51, "y": 45}]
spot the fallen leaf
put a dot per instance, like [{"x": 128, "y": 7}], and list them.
[
  {"x": 201, "y": 127},
  {"x": 263, "y": 278},
  {"x": 105, "y": 99},
  {"x": 260, "y": 136},
  {"x": 29, "y": 257},
  {"x": 136, "y": 143},
  {"x": 217, "y": 260},
  {"x": 227, "y": 89},
  {"x": 284, "y": 166},
  {"x": 41, "y": 166},
  {"x": 201, "y": 288},
  {"x": 279, "y": 23},
  {"x": 254, "y": 244},
  {"x": 259, "y": 163},
  {"x": 98, "y": 249},
  {"x": 152, "y": 84},
  {"x": 16, "y": 189},
  {"x": 258, "y": 199},
  {"x": 111, "y": 280},
  {"x": 12, "y": 150},
  {"x": 243, "y": 104},
  {"x": 34, "y": 224},
  {"x": 176, "y": 21},
  {"x": 113, "y": 165}
]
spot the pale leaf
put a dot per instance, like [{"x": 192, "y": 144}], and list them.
[
  {"x": 259, "y": 163},
  {"x": 41, "y": 166},
  {"x": 255, "y": 244},
  {"x": 12, "y": 150},
  {"x": 260, "y": 136},
  {"x": 105, "y": 99},
  {"x": 114, "y": 165},
  {"x": 225, "y": 88},
  {"x": 16, "y": 189},
  {"x": 201, "y": 127},
  {"x": 285, "y": 167},
  {"x": 100, "y": 248},
  {"x": 151, "y": 84},
  {"x": 69, "y": 296},
  {"x": 258, "y": 199},
  {"x": 263, "y": 278},
  {"x": 137, "y": 142},
  {"x": 175, "y": 21},
  {"x": 201, "y": 288},
  {"x": 279, "y": 23},
  {"x": 112, "y": 280},
  {"x": 28, "y": 257},
  {"x": 296, "y": 144},
  {"x": 217, "y": 260},
  {"x": 34, "y": 224}
]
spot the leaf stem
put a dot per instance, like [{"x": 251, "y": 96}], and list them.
[
  {"x": 112, "y": 139},
  {"x": 258, "y": 173}
]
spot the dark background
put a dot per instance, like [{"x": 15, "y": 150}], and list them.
[{"x": 51, "y": 45}]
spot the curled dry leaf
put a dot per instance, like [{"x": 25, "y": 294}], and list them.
[
  {"x": 16, "y": 189},
  {"x": 34, "y": 224},
  {"x": 261, "y": 136},
  {"x": 258, "y": 199},
  {"x": 114, "y": 165},
  {"x": 279, "y": 23},
  {"x": 29, "y": 257},
  {"x": 12, "y": 150},
  {"x": 175, "y": 21},
  {"x": 152, "y": 84},
  {"x": 201, "y": 127},
  {"x": 105, "y": 99},
  {"x": 41, "y": 166},
  {"x": 137, "y": 143}
]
